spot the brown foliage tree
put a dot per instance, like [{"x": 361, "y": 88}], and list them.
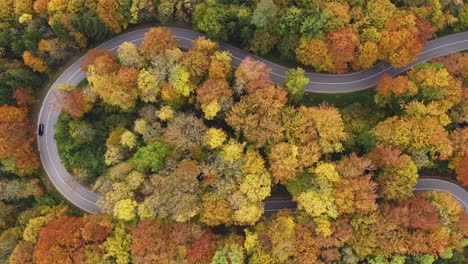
[
  {"x": 254, "y": 73},
  {"x": 24, "y": 96},
  {"x": 213, "y": 89},
  {"x": 461, "y": 169},
  {"x": 258, "y": 115},
  {"x": 22, "y": 254},
  {"x": 58, "y": 240},
  {"x": 422, "y": 214}
]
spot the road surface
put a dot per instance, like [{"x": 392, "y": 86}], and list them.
[{"x": 319, "y": 83}]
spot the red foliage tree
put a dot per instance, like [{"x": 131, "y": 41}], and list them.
[{"x": 201, "y": 247}]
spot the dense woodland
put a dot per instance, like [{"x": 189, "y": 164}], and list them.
[{"x": 188, "y": 147}]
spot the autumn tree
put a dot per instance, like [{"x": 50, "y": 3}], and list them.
[
  {"x": 118, "y": 246},
  {"x": 35, "y": 63},
  {"x": 220, "y": 65},
  {"x": 157, "y": 40},
  {"x": 315, "y": 52},
  {"x": 257, "y": 115},
  {"x": 125, "y": 210},
  {"x": 176, "y": 196},
  {"x": 284, "y": 162},
  {"x": 16, "y": 152},
  {"x": 214, "y": 91},
  {"x": 19, "y": 189},
  {"x": 64, "y": 237},
  {"x": 412, "y": 134},
  {"x": 113, "y": 88},
  {"x": 102, "y": 61},
  {"x": 215, "y": 210},
  {"x": 460, "y": 158},
  {"x": 330, "y": 128},
  {"x": 367, "y": 55},
  {"x": 129, "y": 56},
  {"x": 24, "y": 96},
  {"x": 23, "y": 253},
  {"x": 231, "y": 253},
  {"x": 185, "y": 132},
  {"x": 71, "y": 101},
  {"x": 400, "y": 42},
  {"x": 156, "y": 241},
  {"x": 398, "y": 174},
  {"x": 252, "y": 75},
  {"x": 111, "y": 13},
  {"x": 355, "y": 190},
  {"x": 342, "y": 44},
  {"x": 317, "y": 199}
]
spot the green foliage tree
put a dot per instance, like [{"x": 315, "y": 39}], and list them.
[
  {"x": 295, "y": 82},
  {"x": 264, "y": 13},
  {"x": 151, "y": 157}
]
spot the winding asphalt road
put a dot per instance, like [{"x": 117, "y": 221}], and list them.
[{"x": 319, "y": 83}]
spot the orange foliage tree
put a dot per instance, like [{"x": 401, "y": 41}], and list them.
[
  {"x": 68, "y": 239},
  {"x": 108, "y": 11},
  {"x": 33, "y": 62},
  {"x": 258, "y": 115},
  {"x": 342, "y": 44},
  {"x": 156, "y": 242},
  {"x": 16, "y": 140},
  {"x": 102, "y": 61},
  {"x": 157, "y": 40}
]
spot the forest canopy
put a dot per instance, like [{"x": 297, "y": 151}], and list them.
[{"x": 187, "y": 151}]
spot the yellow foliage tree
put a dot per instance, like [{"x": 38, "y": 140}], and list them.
[
  {"x": 125, "y": 209},
  {"x": 211, "y": 109},
  {"x": 215, "y": 138},
  {"x": 248, "y": 214}
]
